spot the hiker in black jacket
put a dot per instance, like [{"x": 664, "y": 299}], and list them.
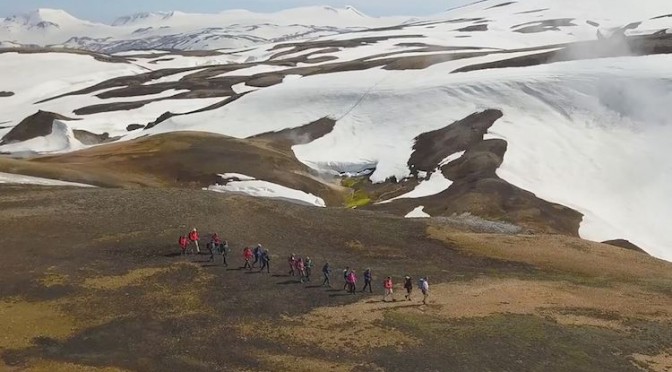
[
  {"x": 326, "y": 271},
  {"x": 408, "y": 285},
  {"x": 368, "y": 277},
  {"x": 265, "y": 259}
]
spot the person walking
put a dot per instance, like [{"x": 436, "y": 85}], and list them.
[
  {"x": 193, "y": 238},
  {"x": 368, "y": 277},
  {"x": 257, "y": 254},
  {"x": 184, "y": 243},
  {"x": 408, "y": 285},
  {"x": 213, "y": 246},
  {"x": 225, "y": 252},
  {"x": 388, "y": 285},
  {"x": 309, "y": 268},
  {"x": 326, "y": 271},
  {"x": 265, "y": 259},
  {"x": 352, "y": 282},
  {"x": 291, "y": 261},
  {"x": 346, "y": 271},
  {"x": 424, "y": 287},
  {"x": 247, "y": 256},
  {"x": 301, "y": 269}
]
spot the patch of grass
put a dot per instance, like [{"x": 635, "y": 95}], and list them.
[
  {"x": 52, "y": 278},
  {"x": 53, "y": 366},
  {"x": 22, "y": 321},
  {"x": 358, "y": 197},
  {"x": 523, "y": 342},
  {"x": 349, "y": 182},
  {"x": 662, "y": 285},
  {"x": 592, "y": 313},
  {"x": 133, "y": 277}
]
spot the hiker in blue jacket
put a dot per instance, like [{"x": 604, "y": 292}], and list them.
[
  {"x": 368, "y": 277},
  {"x": 265, "y": 259},
  {"x": 257, "y": 254}
]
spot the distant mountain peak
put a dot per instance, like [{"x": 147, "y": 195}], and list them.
[
  {"x": 44, "y": 18},
  {"x": 143, "y": 17},
  {"x": 352, "y": 9}
]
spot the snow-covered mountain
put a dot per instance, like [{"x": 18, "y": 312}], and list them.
[
  {"x": 183, "y": 31},
  {"x": 573, "y": 97}
]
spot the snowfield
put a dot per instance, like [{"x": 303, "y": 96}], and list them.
[
  {"x": 593, "y": 134},
  {"x": 250, "y": 186},
  {"x": 10, "y": 178}
]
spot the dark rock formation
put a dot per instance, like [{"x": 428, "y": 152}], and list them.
[
  {"x": 132, "y": 127},
  {"x": 432, "y": 147},
  {"x": 300, "y": 135},
  {"x": 37, "y": 125},
  {"x": 89, "y": 138},
  {"x": 622, "y": 243}
]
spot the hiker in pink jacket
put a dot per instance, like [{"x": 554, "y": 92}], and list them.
[
  {"x": 301, "y": 269},
  {"x": 388, "y": 285},
  {"x": 352, "y": 281}
]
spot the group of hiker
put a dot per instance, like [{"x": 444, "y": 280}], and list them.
[{"x": 298, "y": 266}]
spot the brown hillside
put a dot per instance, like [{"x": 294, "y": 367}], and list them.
[
  {"x": 103, "y": 290},
  {"x": 180, "y": 159}
]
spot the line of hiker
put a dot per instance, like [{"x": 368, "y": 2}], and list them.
[{"x": 298, "y": 266}]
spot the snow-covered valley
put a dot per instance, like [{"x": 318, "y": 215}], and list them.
[{"x": 584, "y": 89}]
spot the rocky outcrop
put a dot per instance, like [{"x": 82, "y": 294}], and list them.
[
  {"x": 622, "y": 243},
  {"x": 89, "y": 138},
  {"x": 299, "y": 135},
  {"x": 132, "y": 127},
  {"x": 476, "y": 187},
  {"x": 431, "y": 148},
  {"x": 37, "y": 125}
]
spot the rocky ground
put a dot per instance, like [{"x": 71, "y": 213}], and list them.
[{"x": 91, "y": 280}]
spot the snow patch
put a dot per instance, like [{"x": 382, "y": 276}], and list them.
[
  {"x": 418, "y": 213},
  {"x": 264, "y": 189},
  {"x": 61, "y": 139},
  {"x": 436, "y": 184},
  {"x": 11, "y": 178},
  {"x": 451, "y": 158},
  {"x": 241, "y": 88},
  {"x": 240, "y": 177}
]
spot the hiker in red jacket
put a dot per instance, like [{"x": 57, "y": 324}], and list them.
[
  {"x": 247, "y": 256},
  {"x": 387, "y": 284},
  {"x": 184, "y": 243},
  {"x": 193, "y": 238}
]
